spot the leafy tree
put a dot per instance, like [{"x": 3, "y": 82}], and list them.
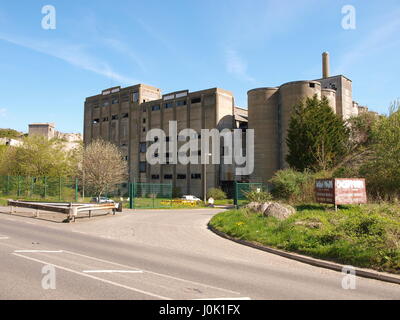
[
  {"x": 317, "y": 137},
  {"x": 102, "y": 167},
  {"x": 383, "y": 169},
  {"x": 38, "y": 157}
]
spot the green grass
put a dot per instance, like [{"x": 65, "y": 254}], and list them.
[{"x": 364, "y": 236}]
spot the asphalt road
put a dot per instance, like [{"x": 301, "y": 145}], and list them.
[{"x": 156, "y": 254}]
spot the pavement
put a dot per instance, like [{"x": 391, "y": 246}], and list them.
[{"x": 156, "y": 254}]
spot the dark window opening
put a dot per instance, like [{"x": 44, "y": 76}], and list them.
[
  {"x": 168, "y": 105},
  {"x": 155, "y": 108},
  {"x": 125, "y": 115},
  {"x": 181, "y": 103},
  {"x": 167, "y": 176},
  {"x": 181, "y": 176},
  {"x": 196, "y": 100},
  {"x": 312, "y": 85},
  {"x": 142, "y": 166},
  {"x": 96, "y": 121},
  {"x": 142, "y": 147},
  {"x": 196, "y": 176},
  {"x": 105, "y": 119},
  {"x": 114, "y": 117},
  {"x": 155, "y": 176}
]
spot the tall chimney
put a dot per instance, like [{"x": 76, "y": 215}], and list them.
[{"x": 325, "y": 65}]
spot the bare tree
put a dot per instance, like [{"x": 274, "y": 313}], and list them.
[{"x": 103, "y": 167}]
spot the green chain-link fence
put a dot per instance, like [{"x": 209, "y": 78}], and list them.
[
  {"x": 242, "y": 188},
  {"x": 150, "y": 195}
]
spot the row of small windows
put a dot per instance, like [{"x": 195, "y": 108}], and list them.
[
  {"x": 194, "y": 176},
  {"x": 170, "y": 105},
  {"x": 115, "y": 100},
  {"x": 113, "y": 117}
]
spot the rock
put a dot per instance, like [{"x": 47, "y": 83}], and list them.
[
  {"x": 279, "y": 211},
  {"x": 253, "y": 206},
  {"x": 258, "y": 207}
]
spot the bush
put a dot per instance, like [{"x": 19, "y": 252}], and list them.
[
  {"x": 261, "y": 196},
  {"x": 216, "y": 193},
  {"x": 295, "y": 186}
]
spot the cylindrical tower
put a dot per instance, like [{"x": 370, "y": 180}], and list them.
[
  {"x": 325, "y": 65},
  {"x": 291, "y": 94},
  {"x": 263, "y": 118},
  {"x": 330, "y": 94}
]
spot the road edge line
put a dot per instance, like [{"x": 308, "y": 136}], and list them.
[{"x": 305, "y": 259}]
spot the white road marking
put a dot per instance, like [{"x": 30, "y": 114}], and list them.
[
  {"x": 38, "y": 251},
  {"x": 155, "y": 273},
  {"x": 239, "y": 298},
  {"x": 96, "y": 278},
  {"x": 112, "y": 271}
]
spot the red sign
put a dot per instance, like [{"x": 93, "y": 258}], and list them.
[{"x": 341, "y": 191}]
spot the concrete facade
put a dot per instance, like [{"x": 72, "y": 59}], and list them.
[{"x": 125, "y": 115}]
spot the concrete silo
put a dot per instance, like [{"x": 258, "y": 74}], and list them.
[
  {"x": 263, "y": 118},
  {"x": 330, "y": 94},
  {"x": 290, "y": 94}
]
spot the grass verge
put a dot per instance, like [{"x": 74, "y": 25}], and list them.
[{"x": 363, "y": 236}]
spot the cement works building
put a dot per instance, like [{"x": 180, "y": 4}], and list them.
[{"x": 123, "y": 116}]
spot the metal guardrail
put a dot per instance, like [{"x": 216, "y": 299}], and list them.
[{"x": 71, "y": 209}]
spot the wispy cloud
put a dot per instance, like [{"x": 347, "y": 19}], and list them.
[
  {"x": 3, "y": 112},
  {"x": 236, "y": 65},
  {"x": 73, "y": 54},
  {"x": 380, "y": 38}
]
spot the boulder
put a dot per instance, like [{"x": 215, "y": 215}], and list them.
[
  {"x": 258, "y": 207},
  {"x": 279, "y": 211}
]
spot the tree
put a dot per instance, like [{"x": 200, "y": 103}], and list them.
[
  {"x": 102, "y": 167},
  {"x": 317, "y": 137},
  {"x": 38, "y": 157},
  {"x": 383, "y": 169}
]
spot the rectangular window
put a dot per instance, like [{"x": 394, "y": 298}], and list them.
[
  {"x": 155, "y": 176},
  {"x": 144, "y": 120},
  {"x": 96, "y": 121},
  {"x": 181, "y": 176},
  {"x": 155, "y": 107},
  {"x": 144, "y": 129},
  {"x": 196, "y": 176},
  {"x": 114, "y": 117},
  {"x": 135, "y": 96},
  {"x": 105, "y": 119},
  {"x": 167, "y": 176},
  {"x": 144, "y": 109},
  {"x": 196, "y": 100},
  {"x": 142, "y": 147},
  {"x": 142, "y": 166},
  {"x": 168, "y": 105},
  {"x": 106, "y": 103},
  {"x": 115, "y": 101},
  {"x": 181, "y": 103},
  {"x": 124, "y": 115},
  {"x": 125, "y": 98}
]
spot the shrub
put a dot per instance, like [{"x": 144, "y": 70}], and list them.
[
  {"x": 261, "y": 196},
  {"x": 216, "y": 193},
  {"x": 289, "y": 184}
]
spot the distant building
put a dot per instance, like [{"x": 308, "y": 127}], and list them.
[
  {"x": 71, "y": 140},
  {"x": 42, "y": 129}
]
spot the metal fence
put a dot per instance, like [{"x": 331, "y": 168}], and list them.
[
  {"x": 68, "y": 189},
  {"x": 242, "y": 188},
  {"x": 150, "y": 195}
]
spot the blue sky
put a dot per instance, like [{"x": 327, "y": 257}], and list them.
[{"x": 187, "y": 44}]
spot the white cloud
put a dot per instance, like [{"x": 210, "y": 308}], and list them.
[
  {"x": 3, "y": 112},
  {"x": 379, "y": 39},
  {"x": 73, "y": 54},
  {"x": 237, "y": 66}
]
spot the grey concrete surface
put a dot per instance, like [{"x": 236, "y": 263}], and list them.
[{"x": 157, "y": 254}]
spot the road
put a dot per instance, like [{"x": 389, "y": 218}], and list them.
[{"x": 156, "y": 254}]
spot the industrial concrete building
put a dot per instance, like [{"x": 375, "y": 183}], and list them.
[
  {"x": 270, "y": 111},
  {"x": 124, "y": 115}
]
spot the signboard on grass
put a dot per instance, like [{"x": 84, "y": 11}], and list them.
[{"x": 341, "y": 191}]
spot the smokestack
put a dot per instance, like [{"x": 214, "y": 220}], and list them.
[{"x": 325, "y": 65}]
